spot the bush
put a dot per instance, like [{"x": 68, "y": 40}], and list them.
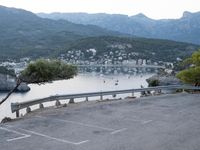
[
  {"x": 46, "y": 71},
  {"x": 153, "y": 83}
]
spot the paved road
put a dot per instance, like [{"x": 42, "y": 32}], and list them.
[{"x": 168, "y": 122}]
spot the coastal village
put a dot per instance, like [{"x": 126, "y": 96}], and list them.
[{"x": 90, "y": 59}]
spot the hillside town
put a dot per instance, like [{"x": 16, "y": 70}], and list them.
[{"x": 89, "y": 58}]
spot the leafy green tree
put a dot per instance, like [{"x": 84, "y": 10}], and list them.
[
  {"x": 42, "y": 71},
  {"x": 192, "y": 74}
]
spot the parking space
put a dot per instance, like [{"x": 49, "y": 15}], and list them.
[
  {"x": 162, "y": 122},
  {"x": 60, "y": 130},
  {"x": 11, "y": 135}
]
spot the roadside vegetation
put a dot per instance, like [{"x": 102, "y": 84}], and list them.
[
  {"x": 191, "y": 75},
  {"x": 153, "y": 83}
]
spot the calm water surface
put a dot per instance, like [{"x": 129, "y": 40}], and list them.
[{"x": 82, "y": 83}]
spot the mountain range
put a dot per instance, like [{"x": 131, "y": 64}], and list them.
[
  {"x": 25, "y": 34},
  {"x": 185, "y": 29}
]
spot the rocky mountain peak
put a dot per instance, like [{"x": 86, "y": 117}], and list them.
[
  {"x": 186, "y": 14},
  {"x": 140, "y": 16}
]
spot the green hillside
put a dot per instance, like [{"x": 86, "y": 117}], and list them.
[
  {"x": 25, "y": 34},
  {"x": 154, "y": 49}
]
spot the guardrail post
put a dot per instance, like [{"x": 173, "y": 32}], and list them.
[
  {"x": 132, "y": 94},
  {"x": 58, "y": 103},
  {"x": 17, "y": 113},
  {"x": 86, "y": 99},
  {"x": 28, "y": 110},
  {"x": 41, "y": 106},
  {"x": 101, "y": 97},
  {"x": 71, "y": 101},
  {"x": 65, "y": 105}
]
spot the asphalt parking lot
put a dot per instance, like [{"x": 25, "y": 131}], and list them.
[{"x": 167, "y": 122}]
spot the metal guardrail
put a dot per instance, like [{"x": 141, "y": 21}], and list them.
[{"x": 15, "y": 107}]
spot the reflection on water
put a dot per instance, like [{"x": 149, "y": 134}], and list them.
[
  {"x": 116, "y": 69},
  {"x": 90, "y": 82}
]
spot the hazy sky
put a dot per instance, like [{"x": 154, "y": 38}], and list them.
[{"x": 156, "y": 9}]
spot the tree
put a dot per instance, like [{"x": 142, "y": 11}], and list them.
[
  {"x": 192, "y": 74},
  {"x": 42, "y": 71}
]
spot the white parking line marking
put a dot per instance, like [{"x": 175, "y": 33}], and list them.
[
  {"x": 18, "y": 138},
  {"x": 23, "y": 136},
  {"x": 118, "y": 131},
  {"x": 52, "y": 138},
  {"x": 82, "y": 142},
  {"x": 113, "y": 131},
  {"x": 148, "y": 121},
  {"x": 134, "y": 120},
  {"x": 141, "y": 121},
  {"x": 82, "y": 124}
]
